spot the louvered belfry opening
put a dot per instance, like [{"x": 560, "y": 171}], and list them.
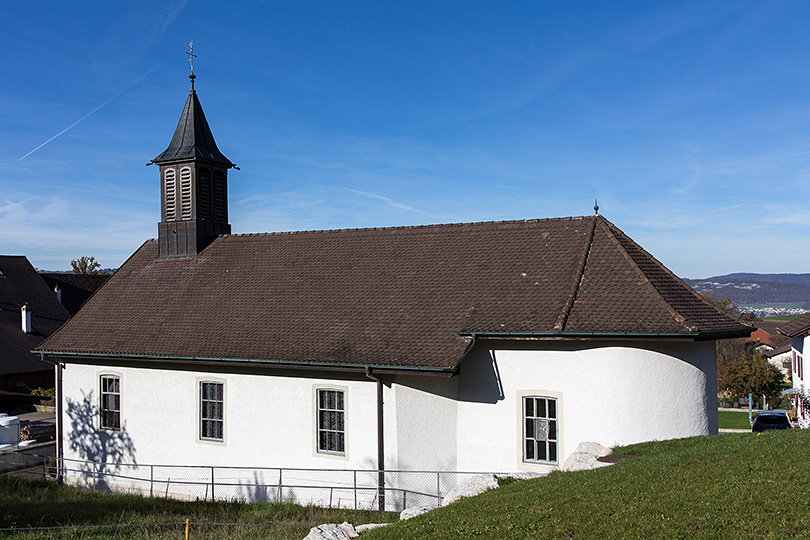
[{"x": 194, "y": 186}]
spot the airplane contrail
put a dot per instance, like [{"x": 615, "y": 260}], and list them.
[{"x": 105, "y": 102}]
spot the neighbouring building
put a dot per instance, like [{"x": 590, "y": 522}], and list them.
[
  {"x": 494, "y": 346},
  {"x": 29, "y": 313},
  {"x": 798, "y": 331},
  {"x": 72, "y": 289}
]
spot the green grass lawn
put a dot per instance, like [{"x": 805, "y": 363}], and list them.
[
  {"x": 734, "y": 419},
  {"x": 27, "y": 503},
  {"x": 734, "y": 486},
  {"x": 784, "y": 317},
  {"x": 730, "y": 486}
]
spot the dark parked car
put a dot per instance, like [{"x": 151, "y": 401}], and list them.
[{"x": 771, "y": 420}]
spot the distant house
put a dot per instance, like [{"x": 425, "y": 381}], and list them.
[
  {"x": 473, "y": 346},
  {"x": 781, "y": 359},
  {"x": 29, "y": 313},
  {"x": 798, "y": 330},
  {"x": 73, "y": 289}
]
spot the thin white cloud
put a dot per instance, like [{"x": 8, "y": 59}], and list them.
[
  {"x": 386, "y": 200},
  {"x": 86, "y": 116}
]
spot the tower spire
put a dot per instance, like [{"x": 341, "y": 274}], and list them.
[{"x": 194, "y": 183}]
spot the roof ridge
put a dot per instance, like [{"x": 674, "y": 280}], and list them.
[
  {"x": 423, "y": 226},
  {"x": 612, "y": 231},
  {"x": 677, "y": 315},
  {"x": 583, "y": 262}
]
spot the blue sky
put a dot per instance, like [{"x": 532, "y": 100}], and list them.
[{"x": 688, "y": 121}]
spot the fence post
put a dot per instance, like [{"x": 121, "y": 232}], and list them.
[
  {"x": 438, "y": 489},
  {"x": 151, "y": 480},
  {"x": 44, "y": 468},
  {"x": 279, "y": 485},
  {"x": 212, "y": 484},
  {"x": 355, "y": 489}
]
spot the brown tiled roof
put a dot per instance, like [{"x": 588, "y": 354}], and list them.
[
  {"x": 396, "y": 297},
  {"x": 20, "y": 284},
  {"x": 796, "y": 327}
]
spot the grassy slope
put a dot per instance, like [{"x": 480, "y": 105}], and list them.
[
  {"x": 734, "y": 419},
  {"x": 729, "y": 486},
  {"x": 24, "y": 503}
]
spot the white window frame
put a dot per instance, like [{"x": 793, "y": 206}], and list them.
[
  {"x": 103, "y": 405},
  {"x": 208, "y": 418},
  {"x": 537, "y": 447},
  {"x": 330, "y": 420}
]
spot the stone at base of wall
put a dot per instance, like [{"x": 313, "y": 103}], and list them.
[{"x": 585, "y": 457}]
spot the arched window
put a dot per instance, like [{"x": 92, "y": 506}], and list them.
[
  {"x": 170, "y": 190},
  {"x": 185, "y": 193},
  {"x": 204, "y": 194},
  {"x": 219, "y": 196}
]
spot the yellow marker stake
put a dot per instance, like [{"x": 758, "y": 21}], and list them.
[{"x": 186, "y": 529}]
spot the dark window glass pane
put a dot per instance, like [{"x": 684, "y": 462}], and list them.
[
  {"x": 340, "y": 422},
  {"x": 541, "y": 451},
  {"x": 552, "y": 408},
  {"x": 529, "y": 406},
  {"x": 340, "y": 442},
  {"x": 552, "y": 451},
  {"x": 541, "y": 408},
  {"x": 529, "y": 428},
  {"x": 529, "y": 449},
  {"x": 552, "y": 430}
]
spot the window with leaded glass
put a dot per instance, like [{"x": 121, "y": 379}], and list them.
[
  {"x": 212, "y": 408},
  {"x": 110, "y": 409},
  {"x": 540, "y": 429},
  {"x": 331, "y": 422}
]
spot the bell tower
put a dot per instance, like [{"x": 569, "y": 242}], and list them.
[{"x": 193, "y": 184}]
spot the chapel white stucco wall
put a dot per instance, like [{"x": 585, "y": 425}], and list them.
[
  {"x": 269, "y": 419},
  {"x": 611, "y": 394}
]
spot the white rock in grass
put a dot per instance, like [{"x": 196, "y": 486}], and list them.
[
  {"x": 593, "y": 448},
  {"x": 332, "y": 531},
  {"x": 369, "y": 526},
  {"x": 474, "y": 486},
  {"x": 414, "y": 511},
  {"x": 584, "y": 457}
]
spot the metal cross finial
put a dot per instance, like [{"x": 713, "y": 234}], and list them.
[
  {"x": 191, "y": 55},
  {"x": 595, "y": 207}
]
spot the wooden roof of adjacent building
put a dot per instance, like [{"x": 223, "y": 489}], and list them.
[{"x": 400, "y": 297}]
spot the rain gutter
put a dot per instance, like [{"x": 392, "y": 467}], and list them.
[
  {"x": 341, "y": 366},
  {"x": 688, "y": 336}
]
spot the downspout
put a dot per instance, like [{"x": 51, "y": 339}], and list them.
[
  {"x": 58, "y": 366},
  {"x": 380, "y": 441}
]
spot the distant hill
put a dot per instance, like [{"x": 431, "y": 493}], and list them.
[{"x": 764, "y": 294}]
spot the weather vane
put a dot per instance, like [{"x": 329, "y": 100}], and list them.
[{"x": 191, "y": 55}]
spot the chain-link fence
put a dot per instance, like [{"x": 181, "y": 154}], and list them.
[{"x": 332, "y": 488}]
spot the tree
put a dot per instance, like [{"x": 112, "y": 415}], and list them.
[
  {"x": 86, "y": 265},
  {"x": 723, "y": 304},
  {"x": 740, "y": 374}
]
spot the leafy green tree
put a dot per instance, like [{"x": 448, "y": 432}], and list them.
[
  {"x": 723, "y": 304},
  {"x": 740, "y": 374},
  {"x": 86, "y": 265}
]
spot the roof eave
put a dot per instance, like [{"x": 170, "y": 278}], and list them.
[
  {"x": 796, "y": 333},
  {"x": 608, "y": 336},
  {"x": 256, "y": 362}
]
